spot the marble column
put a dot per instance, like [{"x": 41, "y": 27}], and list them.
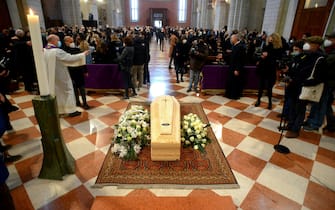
[
  {"x": 206, "y": 10},
  {"x": 194, "y": 13},
  {"x": 237, "y": 14},
  {"x": 271, "y": 16},
  {"x": 14, "y": 14},
  {"x": 114, "y": 13},
  {"x": 221, "y": 14},
  {"x": 71, "y": 13}
]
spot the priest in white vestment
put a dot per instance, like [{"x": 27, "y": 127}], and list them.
[{"x": 60, "y": 82}]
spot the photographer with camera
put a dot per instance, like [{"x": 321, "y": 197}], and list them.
[
  {"x": 198, "y": 56},
  {"x": 267, "y": 66}
]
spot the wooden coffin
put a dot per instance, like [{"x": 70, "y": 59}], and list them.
[{"x": 165, "y": 129}]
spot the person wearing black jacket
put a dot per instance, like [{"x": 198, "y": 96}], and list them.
[
  {"x": 267, "y": 66},
  {"x": 125, "y": 61},
  {"x": 299, "y": 77},
  {"x": 140, "y": 57},
  {"x": 235, "y": 78},
  {"x": 77, "y": 73},
  {"x": 181, "y": 59}
]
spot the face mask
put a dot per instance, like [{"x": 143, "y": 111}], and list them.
[
  {"x": 306, "y": 47},
  {"x": 72, "y": 45},
  {"x": 295, "y": 53},
  {"x": 327, "y": 43},
  {"x": 184, "y": 41},
  {"x": 59, "y": 44}
]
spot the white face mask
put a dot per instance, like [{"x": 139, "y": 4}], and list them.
[
  {"x": 72, "y": 45},
  {"x": 184, "y": 41},
  {"x": 327, "y": 43},
  {"x": 306, "y": 47}
]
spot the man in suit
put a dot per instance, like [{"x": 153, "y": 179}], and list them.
[{"x": 235, "y": 80}]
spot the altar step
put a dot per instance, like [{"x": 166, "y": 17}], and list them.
[{"x": 145, "y": 200}]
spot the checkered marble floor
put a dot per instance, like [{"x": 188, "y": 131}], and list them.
[{"x": 303, "y": 179}]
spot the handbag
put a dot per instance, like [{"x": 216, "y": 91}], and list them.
[{"x": 312, "y": 93}]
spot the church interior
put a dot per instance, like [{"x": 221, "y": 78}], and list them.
[{"x": 267, "y": 179}]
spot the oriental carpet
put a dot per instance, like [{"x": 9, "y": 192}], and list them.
[{"x": 208, "y": 170}]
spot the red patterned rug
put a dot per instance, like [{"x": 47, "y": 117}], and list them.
[{"x": 193, "y": 170}]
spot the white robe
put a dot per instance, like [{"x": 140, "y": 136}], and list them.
[{"x": 60, "y": 82}]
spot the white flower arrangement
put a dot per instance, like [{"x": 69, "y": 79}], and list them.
[
  {"x": 194, "y": 132},
  {"x": 132, "y": 133}
]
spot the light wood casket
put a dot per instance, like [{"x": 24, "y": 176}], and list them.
[{"x": 165, "y": 129}]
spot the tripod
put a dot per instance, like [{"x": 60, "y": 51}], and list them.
[{"x": 282, "y": 126}]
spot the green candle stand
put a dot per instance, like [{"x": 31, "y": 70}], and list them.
[{"x": 57, "y": 160}]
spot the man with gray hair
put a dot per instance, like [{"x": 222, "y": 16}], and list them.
[
  {"x": 235, "y": 78},
  {"x": 60, "y": 82}
]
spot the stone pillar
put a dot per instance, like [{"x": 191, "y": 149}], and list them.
[
  {"x": 256, "y": 14},
  {"x": 271, "y": 15},
  {"x": 238, "y": 11},
  {"x": 120, "y": 12},
  {"x": 221, "y": 14},
  {"x": 194, "y": 14},
  {"x": 14, "y": 14},
  {"x": 110, "y": 9},
  {"x": 290, "y": 15},
  {"x": 71, "y": 12},
  {"x": 36, "y": 6},
  {"x": 210, "y": 16}
]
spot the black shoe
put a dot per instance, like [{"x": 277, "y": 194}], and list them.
[
  {"x": 177, "y": 81},
  {"x": 12, "y": 108},
  {"x": 74, "y": 114},
  {"x": 188, "y": 90},
  {"x": 257, "y": 103},
  {"x": 78, "y": 104},
  {"x": 86, "y": 106},
  {"x": 181, "y": 80},
  {"x": 12, "y": 158},
  {"x": 4, "y": 148},
  {"x": 9, "y": 127},
  {"x": 125, "y": 97},
  {"x": 282, "y": 128},
  {"x": 329, "y": 128},
  {"x": 270, "y": 106}
]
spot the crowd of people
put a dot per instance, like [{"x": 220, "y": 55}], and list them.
[
  {"x": 299, "y": 63},
  {"x": 189, "y": 50}
]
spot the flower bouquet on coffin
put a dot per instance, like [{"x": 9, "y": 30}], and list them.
[
  {"x": 132, "y": 133},
  {"x": 194, "y": 132}
]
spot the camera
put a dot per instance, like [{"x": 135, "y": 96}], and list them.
[{"x": 194, "y": 50}]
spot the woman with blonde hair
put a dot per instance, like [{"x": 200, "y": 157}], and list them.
[{"x": 267, "y": 66}]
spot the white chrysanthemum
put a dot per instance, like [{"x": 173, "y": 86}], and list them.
[
  {"x": 123, "y": 151},
  {"x": 137, "y": 148}
]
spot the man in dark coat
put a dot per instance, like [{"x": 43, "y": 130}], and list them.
[
  {"x": 77, "y": 73},
  {"x": 235, "y": 79}
]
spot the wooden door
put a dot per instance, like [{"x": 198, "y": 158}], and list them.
[
  {"x": 311, "y": 20},
  {"x": 5, "y": 20}
]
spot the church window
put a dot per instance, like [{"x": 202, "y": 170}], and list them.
[
  {"x": 134, "y": 10},
  {"x": 182, "y": 11}
]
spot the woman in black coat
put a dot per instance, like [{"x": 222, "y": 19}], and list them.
[
  {"x": 267, "y": 66},
  {"x": 125, "y": 61},
  {"x": 181, "y": 58}
]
